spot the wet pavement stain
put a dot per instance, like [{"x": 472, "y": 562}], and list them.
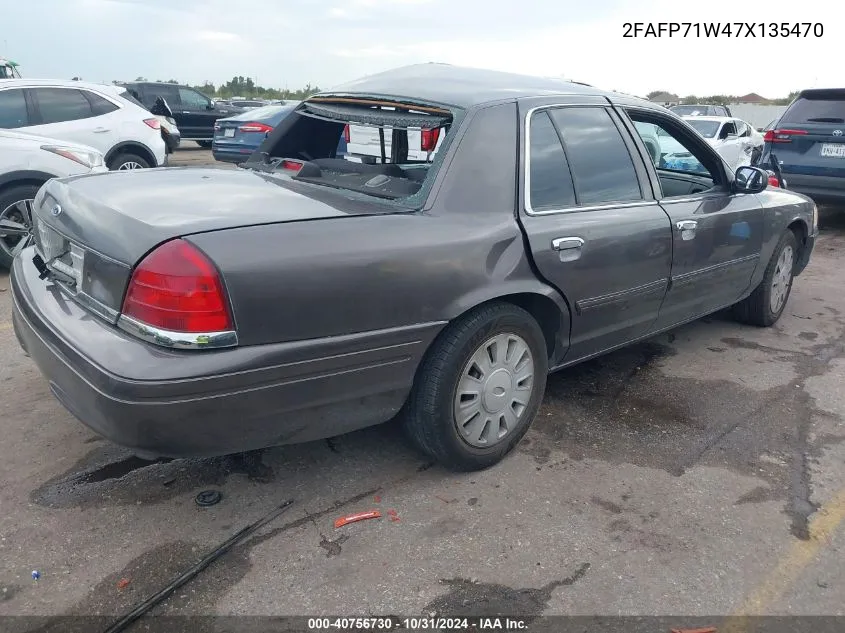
[
  {"x": 110, "y": 475},
  {"x": 808, "y": 336},
  {"x": 333, "y": 548},
  {"x": 606, "y": 505},
  {"x": 7, "y": 592},
  {"x": 621, "y": 408},
  {"x": 469, "y": 598}
]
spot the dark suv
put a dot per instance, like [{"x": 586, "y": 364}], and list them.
[
  {"x": 701, "y": 109},
  {"x": 808, "y": 142},
  {"x": 194, "y": 113}
]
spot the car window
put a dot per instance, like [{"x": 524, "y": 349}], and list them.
[
  {"x": 816, "y": 110},
  {"x": 673, "y": 154},
  {"x": 601, "y": 166},
  {"x": 13, "y": 109},
  {"x": 742, "y": 129},
  {"x": 192, "y": 99},
  {"x": 57, "y": 105},
  {"x": 550, "y": 179},
  {"x": 707, "y": 129},
  {"x": 151, "y": 92},
  {"x": 729, "y": 129},
  {"x": 99, "y": 105},
  {"x": 720, "y": 111}
]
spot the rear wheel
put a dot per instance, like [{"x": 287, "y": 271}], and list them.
[
  {"x": 204, "y": 144},
  {"x": 15, "y": 220},
  {"x": 764, "y": 306},
  {"x": 126, "y": 161},
  {"x": 479, "y": 388}
]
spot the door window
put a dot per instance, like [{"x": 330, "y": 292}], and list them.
[
  {"x": 192, "y": 100},
  {"x": 13, "y": 109},
  {"x": 602, "y": 168},
  {"x": 550, "y": 179},
  {"x": 676, "y": 154},
  {"x": 728, "y": 129},
  {"x": 58, "y": 105},
  {"x": 99, "y": 105},
  {"x": 742, "y": 129}
]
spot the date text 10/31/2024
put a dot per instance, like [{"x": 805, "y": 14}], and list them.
[
  {"x": 418, "y": 624},
  {"x": 723, "y": 29}
]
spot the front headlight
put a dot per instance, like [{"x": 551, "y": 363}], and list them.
[{"x": 86, "y": 158}]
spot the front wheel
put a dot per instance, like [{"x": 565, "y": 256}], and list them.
[
  {"x": 766, "y": 304},
  {"x": 127, "y": 161},
  {"x": 479, "y": 388},
  {"x": 15, "y": 220}
]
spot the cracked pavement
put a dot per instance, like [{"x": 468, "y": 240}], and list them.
[{"x": 671, "y": 477}]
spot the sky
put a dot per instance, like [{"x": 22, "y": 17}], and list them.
[{"x": 289, "y": 43}]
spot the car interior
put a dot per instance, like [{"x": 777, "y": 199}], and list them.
[
  {"x": 680, "y": 173},
  {"x": 304, "y": 147}
]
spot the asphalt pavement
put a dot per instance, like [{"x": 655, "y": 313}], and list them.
[{"x": 700, "y": 473}]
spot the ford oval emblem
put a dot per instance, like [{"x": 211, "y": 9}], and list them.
[{"x": 56, "y": 210}]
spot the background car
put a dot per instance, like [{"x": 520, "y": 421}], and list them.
[
  {"x": 195, "y": 113},
  {"x": 735, "y": 140},
  {"x": 90, "y": 114},
  {"x": 237, "y": 137},
  {"x": 27, "y": 162},
  {"x": 701, "y": 109},
  {"x": 808, "y": 142}
]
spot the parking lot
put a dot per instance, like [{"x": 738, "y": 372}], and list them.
[{"x": 699, "y": 473}]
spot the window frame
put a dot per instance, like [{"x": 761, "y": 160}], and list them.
[
  {"x": 723, "y": 186},
  {"x": 640, "y": 170}
]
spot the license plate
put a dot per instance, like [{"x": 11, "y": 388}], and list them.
[
  {"x": 229, "y": 132},
  {"x": 833, "y": 150}
]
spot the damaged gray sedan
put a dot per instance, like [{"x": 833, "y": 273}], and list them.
[{"x": 197, "y": 312}]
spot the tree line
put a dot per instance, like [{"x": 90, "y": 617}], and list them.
[
  {"x": 692, "y": 99},
  {"x": 245, "y": 87}
]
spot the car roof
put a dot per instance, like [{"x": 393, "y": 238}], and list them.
[
  {"x": 459, "y": 86},
  {"x": 60, "y": 83}
]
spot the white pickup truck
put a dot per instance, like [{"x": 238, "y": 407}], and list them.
[{"x": 9, "y": 69}]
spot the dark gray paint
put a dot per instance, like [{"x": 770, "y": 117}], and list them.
[{"x": 336, "y": 299}]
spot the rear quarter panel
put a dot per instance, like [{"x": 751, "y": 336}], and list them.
[
  {"x": 324, "y": 278},
  {"x": 780, "y": 210}
]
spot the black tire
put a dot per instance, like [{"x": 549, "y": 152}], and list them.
[
  {"x": 204, "y": 144},
  {"x": 756, "y": 309},
  {"x": 123, "y": 159},
  {"x": 8, "y": 197},
  {"x": 429, "y": 419}
]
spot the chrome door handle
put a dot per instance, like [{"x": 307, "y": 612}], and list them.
[
  {"x": 100, "y": 130},
  {"x": 567, "y": 243},
  {"x": 687, "y": 225}
]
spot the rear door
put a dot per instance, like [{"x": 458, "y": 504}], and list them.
[
  {"x": 595, "y": 232},
  {"x": 809, "y": 139},
  {"x": 68, "y": 114}
]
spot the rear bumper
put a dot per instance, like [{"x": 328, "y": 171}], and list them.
[
  {"x": 233, "y": 155},
  {"x": 163, "y": 403},
  {"x": 819, "y": 188}
]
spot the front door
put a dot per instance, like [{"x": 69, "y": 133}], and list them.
[
  {"x": 198, "y": 115},
  {"x": 717, "y": 235},
  {"x": 594, "y": 230}
]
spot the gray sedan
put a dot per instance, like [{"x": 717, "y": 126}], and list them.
[{"x": 196, "y": 312}]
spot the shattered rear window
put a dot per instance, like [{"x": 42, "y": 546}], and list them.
[{"x": 386, "y": 149}]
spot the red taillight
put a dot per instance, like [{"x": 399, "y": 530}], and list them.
[
  {"x": 346, "y": 133},
  {"x": 291, "y": 165},
  {"x": 177, "y": 288},
  {"x": 153, "y": 123},
  {"x": 773, "y": 181},
  {"x": 256, "y": 127},
  {"x": 428, "y": 139},
  {"x": 781, "y": 136}
]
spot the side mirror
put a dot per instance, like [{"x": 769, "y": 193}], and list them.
[
  {"x": 750, "y": 180},
  {"x": 209, "y": 106}
]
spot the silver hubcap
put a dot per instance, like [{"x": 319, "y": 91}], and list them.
[
  {"x": 782, "y": 279},
  {"x": 15, "y": 223},
  {"x": 494, "y": 390},
  {"x": 130, "y": 164}
]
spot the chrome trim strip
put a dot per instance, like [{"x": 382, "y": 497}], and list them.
[
  {"x": 527, "y": 170},
  {"x": 177, "y": 340}
]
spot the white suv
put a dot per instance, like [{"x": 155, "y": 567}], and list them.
[
  {"x": 92, "y": 114},
  {"x": 26, "y": 163}
]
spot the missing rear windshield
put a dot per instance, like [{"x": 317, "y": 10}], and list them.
[{"x": 385, "y": 149}]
